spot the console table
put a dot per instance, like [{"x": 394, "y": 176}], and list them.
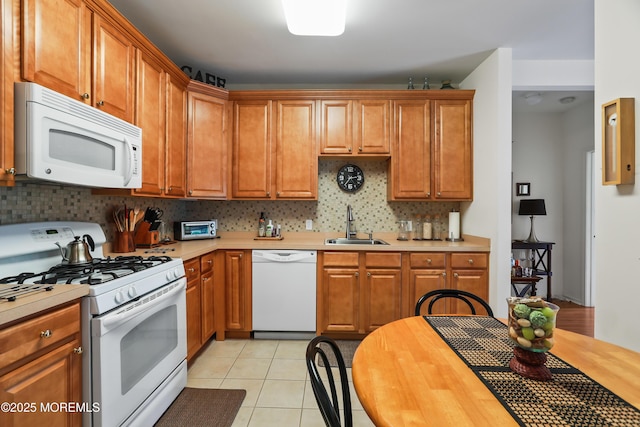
[{"x": 541, "y": 259}]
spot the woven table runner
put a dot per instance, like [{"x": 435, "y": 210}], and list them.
[{"x": 571, "y": 398}]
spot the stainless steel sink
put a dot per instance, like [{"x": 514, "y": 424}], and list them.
[{"x": 345, "y": 241}]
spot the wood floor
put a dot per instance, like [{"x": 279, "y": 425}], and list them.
[{"x": 575, "y": 318}]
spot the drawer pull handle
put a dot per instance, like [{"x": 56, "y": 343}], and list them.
[
  {"x": 46, "y": 334},
  {"x": 470, "y": 261},
  {"x": 191, "y": 270},
  {"x": 209, "y": 261},
  {"x": 428, "y": 260},
  {"x": 78, "y": 350}
]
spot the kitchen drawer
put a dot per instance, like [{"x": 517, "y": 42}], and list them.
[
  {"x": 206, "y": 262},
  {"x": 469, "y": 260},
  {"x": 340, "y": 259},
  {"x": 28, "y": 337},
  {"x": 192, "y": 271},
  {"x": 427, "y": 260},
  {"x": 383, "y": 259}
]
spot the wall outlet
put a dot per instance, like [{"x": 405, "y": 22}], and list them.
[{"x": 309, "y": 224}]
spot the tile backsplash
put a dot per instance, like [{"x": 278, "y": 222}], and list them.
[{"x": 28, "y": 202}]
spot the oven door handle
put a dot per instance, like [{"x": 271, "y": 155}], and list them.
[{"x": 112, "y": 321}]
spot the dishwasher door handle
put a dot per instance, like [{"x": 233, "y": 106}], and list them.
[{"x": 284, "y": 256}]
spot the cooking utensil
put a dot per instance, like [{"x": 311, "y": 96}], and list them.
[{"x": 77, "y": 251}]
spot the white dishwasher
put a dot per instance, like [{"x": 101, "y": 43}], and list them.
[{"x": 284, "y": 294}]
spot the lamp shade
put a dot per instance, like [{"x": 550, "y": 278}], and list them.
[{"x": 532, "y": 207}]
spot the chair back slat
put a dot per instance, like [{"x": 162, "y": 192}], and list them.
[
  {"x": 328, "y": 403},
  {"x": 461, "y": 295}
]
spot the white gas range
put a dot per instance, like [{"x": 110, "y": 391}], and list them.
[{"x": 133, "y": 320}]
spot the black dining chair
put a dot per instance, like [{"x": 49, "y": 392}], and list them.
[
  {"x": 328, "y": 404},
  {"x": 465, "y": 296}
]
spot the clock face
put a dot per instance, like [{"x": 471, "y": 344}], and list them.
[{"x": 350, "y": 178}]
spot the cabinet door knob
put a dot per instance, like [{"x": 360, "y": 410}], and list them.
[
  {"x": 100, "y": 103},
  {"x": 210, "y": 261},
  {"x": 78, "y": 350},
  {"x": 191, "y": 192},
  {"x": 170, "y": 189},
  {"x": 357, "y": 274},
  {"x": 455, "y": 275},
  {"x": 191, "y": 270},
  {"x": 46, "y": 334},
  {"x": 349, "y": 149},
  {"x": 438, "y": 194},
  {"x": 360, "y": 149},
  {"x": 85, "y": 96},
  {"x": 268, "y": 193},
  {"x": 444, "y": 274},
  {"x": 428, "y": 194},
  {"x": 368, "y": 274},
  {"x": 278, "y": 194},
  {"x": 10, "y": 171}
]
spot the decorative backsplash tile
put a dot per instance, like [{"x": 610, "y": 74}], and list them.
[{"x": 28, "y": 202}]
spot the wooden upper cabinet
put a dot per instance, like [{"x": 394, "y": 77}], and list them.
[
  {"x": 336, "y": 127},
  {"x": 296, "y": 156},
  {"x": 452, "y": 148},
  {"x": 62, "y": 40},
  {"x": 207, "y": 142},
  {"x": 410, "y": 165},
  {"x": 355, "y": 127},
  {"x": 251, "y": 149},
  {"x": 113, "y": 70},
  {"x": 176, "y": 146},
  {"x": 151, "y": 117},
  {"x": 372, "y": 126},
  {"x": 56, "y": 46},
  {"x": 7, "y": 164}
]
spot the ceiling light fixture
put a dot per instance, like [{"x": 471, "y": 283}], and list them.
[
  {"x": 567, "y": 100},
  {"x": 315, "y": 17},
  {"x": 532, "y": 98}
]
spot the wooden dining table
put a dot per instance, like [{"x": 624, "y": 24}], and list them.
[{"x": 405, "y": 374}]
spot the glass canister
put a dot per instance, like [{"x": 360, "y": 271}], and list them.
[
  {"x": 403, "y": 230},
  {"x": 427, "y": 228},
  {"x": 417, "y": 228}
]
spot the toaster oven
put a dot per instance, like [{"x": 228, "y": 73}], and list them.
[{"x": 193, "y": 230}]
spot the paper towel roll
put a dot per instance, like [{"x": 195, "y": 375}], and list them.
[{"x": 454, "y": 225}]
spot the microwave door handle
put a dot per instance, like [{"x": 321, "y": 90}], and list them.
[{"x": 129, "y": 175}]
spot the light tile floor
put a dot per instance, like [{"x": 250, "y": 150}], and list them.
[{"x": 275, "y": 376}]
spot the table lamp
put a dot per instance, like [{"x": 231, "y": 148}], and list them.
[{"x": 532, "y": 207}]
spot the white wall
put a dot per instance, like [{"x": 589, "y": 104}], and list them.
[
  {"x": 549, "y": 151},
  {"x": 617, "y": 208},
  {"x": 489, "y": 214},
  {"x": 537, "y": 159}
]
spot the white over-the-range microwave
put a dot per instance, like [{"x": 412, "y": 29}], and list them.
[{"x": 66, "y": 141}]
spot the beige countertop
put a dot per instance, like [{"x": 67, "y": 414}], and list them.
[
  {"x": 25, "y": 306},
  {"x": 306, "y": 240},
  {"x": 39, "y": 301}
]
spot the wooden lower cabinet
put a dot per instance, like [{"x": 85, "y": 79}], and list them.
[
  {"x": 464, "y": 271},
  {"x": 194, "y": 311},
  {"x": 359, "y": 292},
  {"x": 42, "y": 368},
  {"x": 203, "y": 296},
  {"x": 237, "y": 284}
]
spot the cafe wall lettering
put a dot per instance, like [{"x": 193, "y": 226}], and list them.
[{"x": 209, "y": 79}]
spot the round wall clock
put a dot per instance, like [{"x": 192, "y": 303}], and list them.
[{"x": 350, "y": 178}]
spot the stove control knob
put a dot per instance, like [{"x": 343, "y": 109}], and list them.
[
  {"x": 172, "y": 275},
  {"x": 132, "y": 292},
  {"x": 119, "y": 297}
]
